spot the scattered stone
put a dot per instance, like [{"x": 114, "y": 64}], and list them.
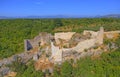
[
  {"x": 25, "y": 57},
  {"x": 11, "y": 74},
  {"x": 15, "y": 57},
  {"x": 4, "y": 71},
  {"x": 35, "y": 57},
  {"x": 43, "y": 64}
]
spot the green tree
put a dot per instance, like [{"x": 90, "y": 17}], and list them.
[{"x": 66, "y": 69}]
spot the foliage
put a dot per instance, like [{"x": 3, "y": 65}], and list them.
[
  {"x": 24, "y": 70},
  {"x": 117, "y": 41},
  {"x": 108, "y": 65},
  {"x": 66, "y": 69},
  {"x": 30, "y": 72},
  {"x": 58, "y": 22},
  {"x": 14, "y": 31},
  {"x": 18, "y": 66}
]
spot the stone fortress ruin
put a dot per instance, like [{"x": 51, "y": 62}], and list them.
[{"x": 64, "y": 46}]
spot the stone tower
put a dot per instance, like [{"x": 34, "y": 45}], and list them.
[{"x": 100, "y": 36}]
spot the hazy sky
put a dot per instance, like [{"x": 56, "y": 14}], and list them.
[{"x": 58, "y": 7}]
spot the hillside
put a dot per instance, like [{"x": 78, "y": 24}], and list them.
[{"x": 14, "y": 32}]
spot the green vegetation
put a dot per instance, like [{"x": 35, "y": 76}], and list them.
[
  {"x": 25, "y": 70},
  {"x": 14, "y": 31}
]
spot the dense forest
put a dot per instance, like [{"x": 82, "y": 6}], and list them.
[{"x": 14, "y": 31}]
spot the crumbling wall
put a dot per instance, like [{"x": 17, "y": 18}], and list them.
[
  {"x": 93, "y": 33},
  {"x": 65, "y": 36},
  {"x": 40, "y": 40},
  {"x": 31, "y": 43},
  {"x": 80, "y": 47},
  {"x": 112, "y": 34},
  {"x": 100, "y": 36},
  {"x": 27, "y": 45},
  {"x": 86, "y": 44},
  {"x": 56, "y": 53}
]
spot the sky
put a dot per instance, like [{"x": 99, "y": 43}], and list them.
[{"x": 59, "y": 7}]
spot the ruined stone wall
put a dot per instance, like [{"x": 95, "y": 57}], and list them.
[
  {"x": 84, "y": 45},
  {"x": 31, "y": 43},
  {"x": 56, "y": 53},
  {"x": 65, "y": 36},
  {"x": 100, "y": 36},
  {"x": 40, "y": 40},
  {"x": 111, "y": 34},
  {"x": 43, "y": 38},
  {"x": 96, "y": 39},
  {"x": 27, "y": 45},
  {"x": 93, "y": 33}
]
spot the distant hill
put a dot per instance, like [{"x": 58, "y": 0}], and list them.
[
  {"x": 3, "y": 17},
  {"x": 112, "y": 16},
  {"x": 6, "y": 17},
  {"x": 63, "y": 16},
  {"x": 56, "y": 16},
  {"x": 50, "y": 16}
]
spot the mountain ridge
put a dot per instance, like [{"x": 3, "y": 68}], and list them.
[{"x": 62, "y": 16}]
